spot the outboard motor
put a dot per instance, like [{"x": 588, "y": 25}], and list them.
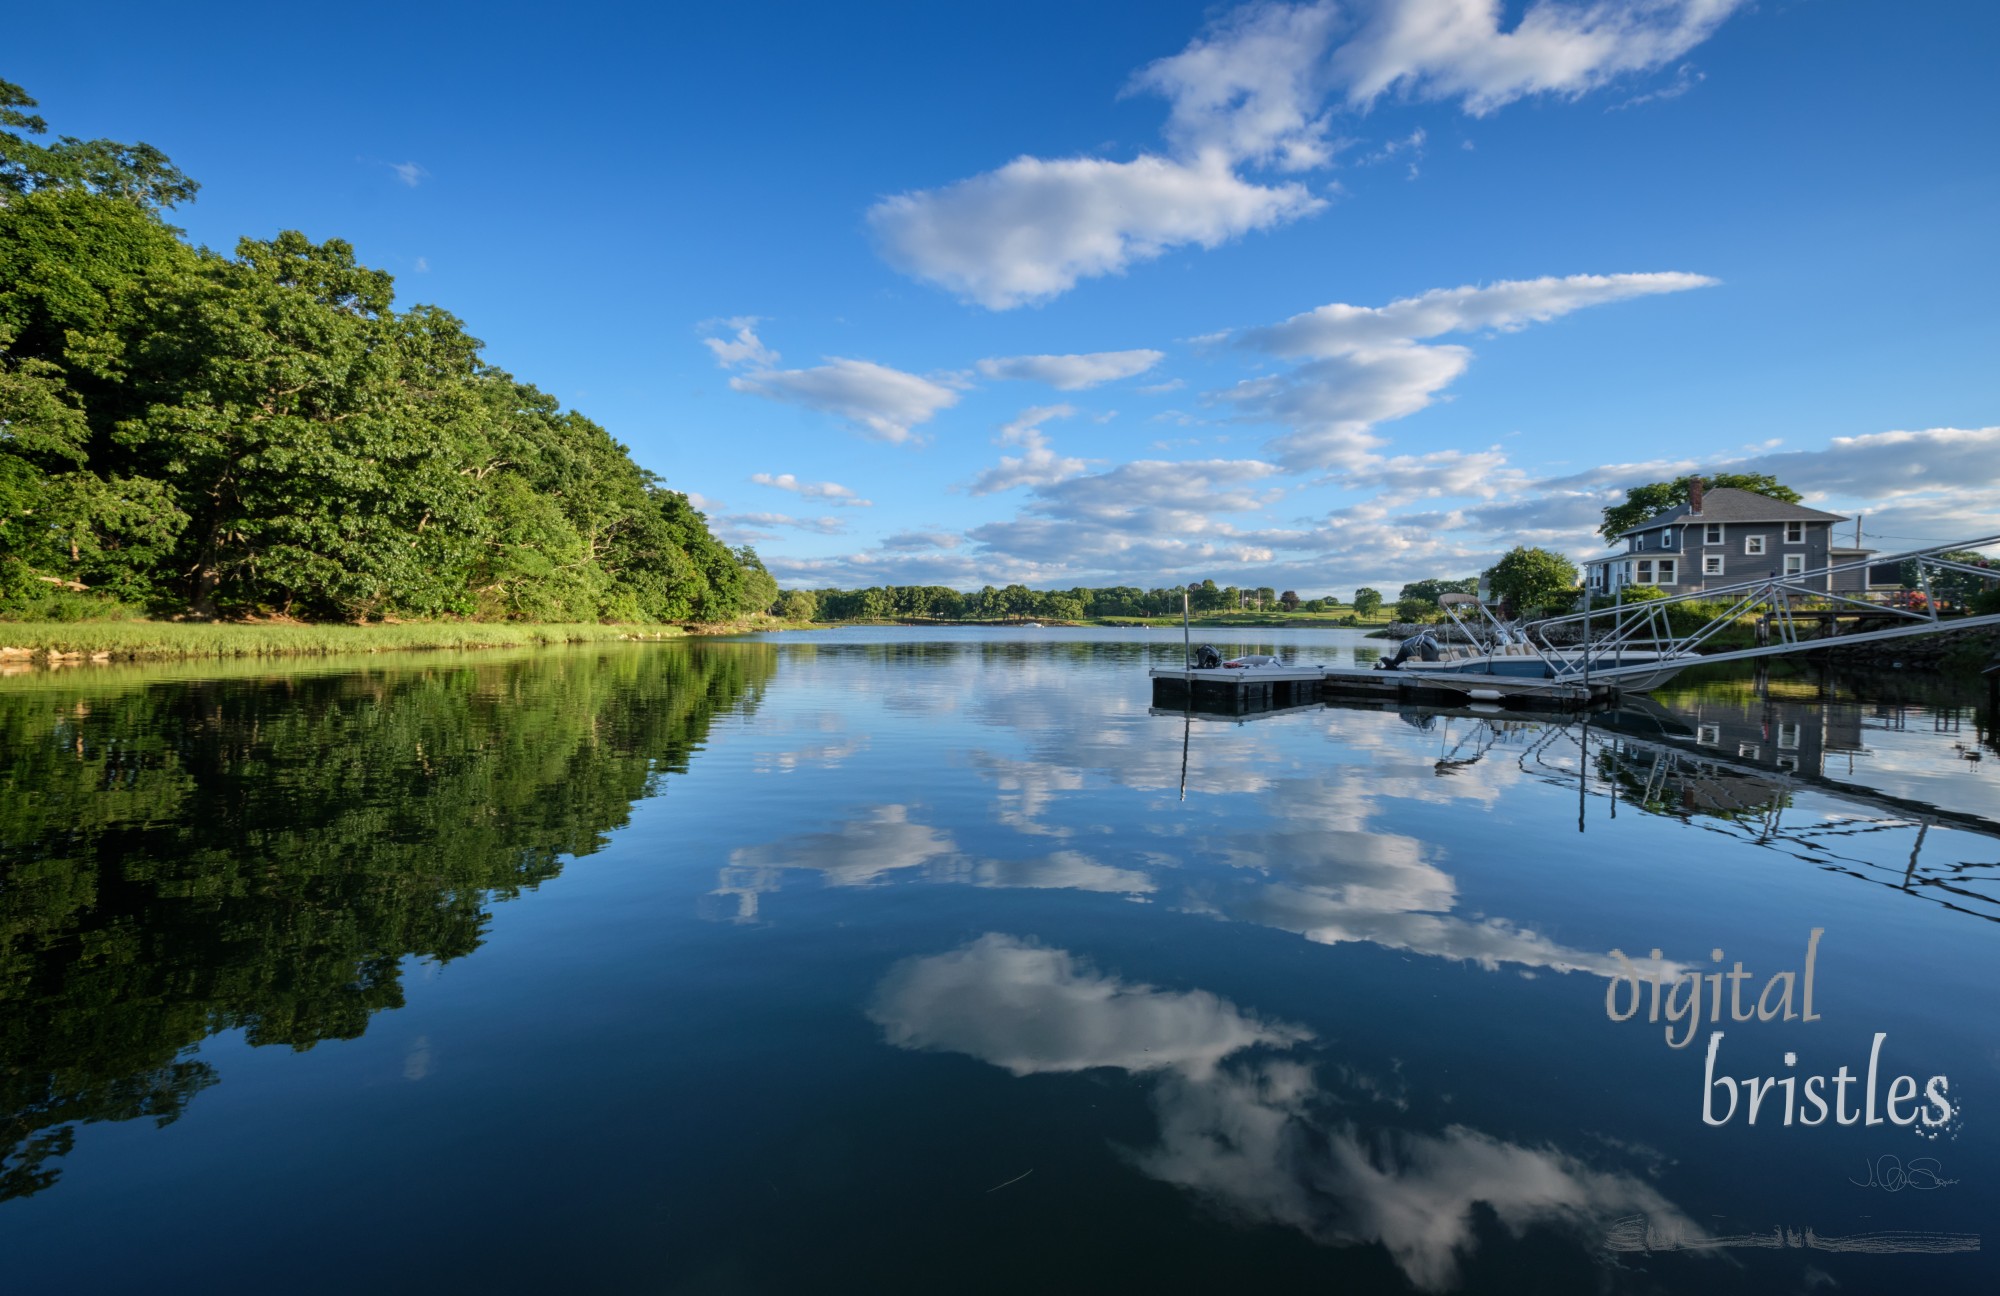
[
  {"x": 1422, "y": 646},
  {"x": 1206, "y": 658}
]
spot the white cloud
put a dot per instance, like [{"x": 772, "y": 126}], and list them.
[
  {"x": 1340, "y": 329},
  {"x": 745, "y": 348},
  {"x": 1455, "y": 49},
  {"x": 423, "y": 265},
  {"x": 881, "y": 402},
  {"x": 1250, "y": 92},
  {"x": 1072, "y": 372},
  {"x": 818, "y": 526},
  {"x": 1039, "y": 465},
  {"x": 1030, "y": 230},
  {"x": 410, "y": 173},
  {"x": 1160, "y": 388},
  {"x": 832, "y": 492},
  {"x": 1251, "y": 88},
  {"x": 1364, "y": 365}
]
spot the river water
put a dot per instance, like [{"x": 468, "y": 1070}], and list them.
[{"x": 906, "y": 961}]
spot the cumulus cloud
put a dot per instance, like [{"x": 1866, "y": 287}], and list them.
[
  {"x": 880, "y": 402},
  {"x": 1038, "y": 465},
  {"x": 832, "y": 492},
  {"x": 1030, "y": 230},
  {"x": 1364, "y": 365},
  {"x": 1251, "y": 88},
  {"x": 1248, "y": 93},
  {"x": 1072, "y": 372},
  {"x": 1340, "y": 329},
  {"x": 1456, "y": 50}
]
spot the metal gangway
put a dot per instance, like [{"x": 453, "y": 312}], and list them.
[{"x": 1604, "y": 636}]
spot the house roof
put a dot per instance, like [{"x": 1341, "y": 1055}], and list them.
[{"x": 1727, "y": 504}]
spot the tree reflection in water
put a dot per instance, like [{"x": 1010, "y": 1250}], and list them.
[{"x": 184, "y": 857}]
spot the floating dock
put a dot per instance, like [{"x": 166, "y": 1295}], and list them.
[{"x": 1266, "y": 687}]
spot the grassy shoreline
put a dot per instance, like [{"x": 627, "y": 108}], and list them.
[{"x": 62, "y": 641}]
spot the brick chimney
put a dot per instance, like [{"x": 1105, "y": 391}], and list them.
[{"x": 1694, "y": 495}]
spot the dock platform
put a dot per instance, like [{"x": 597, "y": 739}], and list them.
[{"x": 1265, "y": 687}]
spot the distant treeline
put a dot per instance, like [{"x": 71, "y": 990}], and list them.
[
  {"x": 1017, "y": 602},
  {"x": 187, "y": 432},
  {"x": 886, "y": 602}
]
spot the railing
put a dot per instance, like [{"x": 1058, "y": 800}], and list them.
[{"x": 1647, "y": 625}]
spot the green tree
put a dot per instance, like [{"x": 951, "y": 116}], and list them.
[
  {"x": 1415, "y": 609},
  {"x": 1532, "y": 579},
  {"x": 1290, "y": 600},
  {"x": 1433, "y": 591},
  {"x": 1367, "y": 602},
  {"x": 137, "y": 173},
  {"x": 267, "y": 432},
  {"x": 1643, "y": 503},
  {"x": 797, "y": 605},
  {"x": 760, "y": 588}
]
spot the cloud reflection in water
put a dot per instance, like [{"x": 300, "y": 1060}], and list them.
[{"x": 1249, "y": 1135}]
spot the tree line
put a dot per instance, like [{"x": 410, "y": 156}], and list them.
[
  {"x": 1018, "y": 602},
  {"x": 265, "y": 433}
]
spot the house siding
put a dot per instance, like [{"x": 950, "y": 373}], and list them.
[{"x": 1686, "y": 544}]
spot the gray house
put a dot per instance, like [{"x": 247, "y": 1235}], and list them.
[{"x": 1726, "y": 537}]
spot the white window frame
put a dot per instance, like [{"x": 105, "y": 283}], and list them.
[
  {"x": 1795, "y": 533},
  {"x": 1788, "y": 736},
  {"x": 1755, "y": 545},
  {"x": 1750, "y": 750},
  {"x": 1645, "y": 571},
  {"x": 1668, "y": 572},
  {"x": 1708, "y": 735},
  {"x": 1711, "y": 565},
  {"x": 1713, "y": 535},
  {"x": 1795, "y": 564},
  {"x": 1788, "y": 762}
]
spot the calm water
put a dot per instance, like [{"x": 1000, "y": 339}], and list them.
[{"x": 857, "y": 962}]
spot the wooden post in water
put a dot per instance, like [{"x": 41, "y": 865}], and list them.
[{"x": 1187, "y": 646}]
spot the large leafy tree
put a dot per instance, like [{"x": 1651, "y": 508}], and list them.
[
  {"x": 268, "y": 433},
  {"x": 1367, "y": 601},
  {"x": 1643, "y": 503},
  {"x": 1531, "y": 579}
]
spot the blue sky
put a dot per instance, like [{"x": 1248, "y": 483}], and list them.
[{"x": 1310, "y": 296}]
